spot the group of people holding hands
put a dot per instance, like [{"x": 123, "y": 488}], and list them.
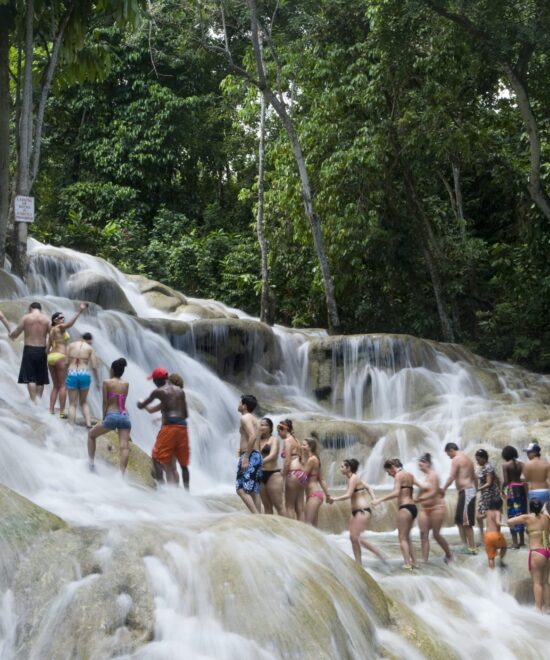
[{"x": 298, "y": 489}]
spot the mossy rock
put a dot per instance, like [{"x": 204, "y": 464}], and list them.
[
  {"x": 411, "y": 627},
  {"x": 140, "y": 465},
  {"x": 8, "y": 285},
  {"x": 21, "y": 523}
]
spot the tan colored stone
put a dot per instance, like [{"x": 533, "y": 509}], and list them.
[{"x": 140, "y": 465}]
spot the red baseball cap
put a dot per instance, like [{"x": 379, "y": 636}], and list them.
[{"x": 158, "y": 374}]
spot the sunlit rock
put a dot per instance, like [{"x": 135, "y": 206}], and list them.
[
  {"x": 100, "y": 289},
  {"x": 140, "y": 465}
]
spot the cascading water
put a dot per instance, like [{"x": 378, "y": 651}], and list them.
[{"x": 207, "y": 574}]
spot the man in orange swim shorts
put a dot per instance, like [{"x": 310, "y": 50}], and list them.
[
  {"x": 172, "y": 440},
  {"x": 494, "y": 539}
]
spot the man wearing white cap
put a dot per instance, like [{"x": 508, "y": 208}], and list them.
[{"x": 537, "y": 474}]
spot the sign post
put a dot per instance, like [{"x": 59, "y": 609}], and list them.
[{"x": 24, "y": 209}]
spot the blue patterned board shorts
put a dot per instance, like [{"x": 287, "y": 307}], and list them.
[
  {"x": 78, "y": 380},
  {"x": 249, "y": 479}
]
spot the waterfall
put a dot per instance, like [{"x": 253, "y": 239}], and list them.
[{"x": 174, "y": 575}]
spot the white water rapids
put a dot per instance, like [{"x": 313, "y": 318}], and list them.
[{"x": 41, "y": 457}]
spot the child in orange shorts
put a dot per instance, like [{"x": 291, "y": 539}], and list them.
[{"x": 494, "y": 539}]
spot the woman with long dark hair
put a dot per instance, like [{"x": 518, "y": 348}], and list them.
[
  {"x": 271, "y": 487},
  {"x": 115, "y": 415},
  {"x": 361, "y": 512},
  {"x": 514, "y": 491},
  {"x": 406, "y": 511},
  {"x": 57, "y": 358}
]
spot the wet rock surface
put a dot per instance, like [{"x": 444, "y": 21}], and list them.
[{"x": 99, "y": 289}]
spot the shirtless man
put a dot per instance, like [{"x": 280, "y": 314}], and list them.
[
  {"x": 463, "y": 474},
  {"x": 249, "y": 467},
  {"x": 536, "y": 472},
  {"x": 172, "y": 440},
  {"x": 81, "y": 358},
  {"x": 34, "y": 364}
]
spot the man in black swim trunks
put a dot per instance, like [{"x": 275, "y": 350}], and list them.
[{"x": 34, "y": 365}]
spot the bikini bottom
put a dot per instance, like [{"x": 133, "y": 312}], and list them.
[
  {"x": 266, "y": 474},
  {"x": 411, "y": 508},
  {"x": 545, "y": 552},
  {"x": 365, "y": 510},
  {"x": 318, "y": 494}
]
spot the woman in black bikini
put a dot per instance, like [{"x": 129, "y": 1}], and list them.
[
  {"x": 407, "y": 511},
  {"x": 360, "y": 511},
  {"x": 271, "y": 488}
]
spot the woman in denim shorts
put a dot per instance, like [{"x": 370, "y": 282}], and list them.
[{"x": 115, "y": 415}]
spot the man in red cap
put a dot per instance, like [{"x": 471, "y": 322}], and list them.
[{"x": 172, "y": 440}]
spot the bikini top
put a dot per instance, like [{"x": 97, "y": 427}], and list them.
[
  {"x": 66, "y": 337},
  {"x": 359, "y": 489},
  {"x": 121, "y": 400},
  {"x": 545, "y": 541},
  {"x": 411, "y": 488},
  {"x": 266, "y": 449}
]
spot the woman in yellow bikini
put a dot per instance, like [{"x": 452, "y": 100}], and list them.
[{"x": 57, "y": 358}]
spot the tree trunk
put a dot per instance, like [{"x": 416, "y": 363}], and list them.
[
  {"x": 25, "y": 142},
  {"x": 265, "y": 306},
  {"x": 536, "y": 188},
  {"x": 458, "y": 198},
  {"x": 4, "y": 130},
  {"x": 280, "y": 109},
  {"x": 432, "y": 255},
  {"x": 45, "y": 92}
]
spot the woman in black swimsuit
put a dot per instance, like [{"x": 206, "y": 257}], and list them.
[
  {"x": 360, "y": 511},
  {"x": 407, "y": 511},
  {"x": 271, "y": 487}
]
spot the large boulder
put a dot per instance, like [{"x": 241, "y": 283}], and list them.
[
  {"x": 140, "y": 465},
  {"x": 158, "y": 295},
  {"x": 236, "y": 349},
  {"x": 21, "y": 523},
  {"x": 99, "y": 289}
]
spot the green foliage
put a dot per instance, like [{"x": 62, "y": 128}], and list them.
[{"x": 151, "y": 163}]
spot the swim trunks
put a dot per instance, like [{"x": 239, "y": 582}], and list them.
[
  {"x": 542, "y": 494},
  {"x": 34, "y": 366},
  {"x": 117, "y": 420},
  {"x": 78, "y": 380},
  {"x": 249, "y": 478},
  {"x": 466, "y": 507},
  {"x": 494, "y": 541},
  {"x": 172, "y": 440}
]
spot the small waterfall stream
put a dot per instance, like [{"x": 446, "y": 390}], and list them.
[{"x": 211, "y": 573}]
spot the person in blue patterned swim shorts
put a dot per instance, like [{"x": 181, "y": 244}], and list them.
[{"x": 249, "y": 467}]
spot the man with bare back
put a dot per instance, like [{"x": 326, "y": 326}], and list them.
[
  {"x": 536, "y": 472},
  {"x": 249, "y": 467},
  {"x": 464, "y": 475},
  {"x": 35, "y": 327},
  {"x": 172, "y": 440}
]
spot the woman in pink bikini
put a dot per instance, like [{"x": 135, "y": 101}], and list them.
[
  {"x": 538, "y": 528},
  {"x": 361, "y": 512},
  {"x": 316, "y": 487},
  {"x": 295, "y": 479},
  {"x": 115, "y": 415}
]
